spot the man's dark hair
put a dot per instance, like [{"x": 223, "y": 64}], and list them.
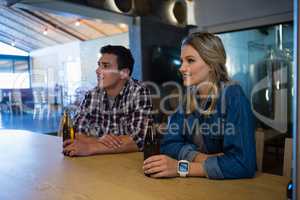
[{"x": 124, "y": 56}]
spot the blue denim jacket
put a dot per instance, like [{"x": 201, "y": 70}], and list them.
[{"x": 230, "y": 130}]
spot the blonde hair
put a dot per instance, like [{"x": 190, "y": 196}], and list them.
[{"x": 211, "y": 50}]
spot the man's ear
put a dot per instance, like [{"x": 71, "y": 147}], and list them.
[{"x": 124, "y": 73}]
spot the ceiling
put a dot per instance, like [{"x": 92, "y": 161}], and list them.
[{"x": 30, "y": 30}]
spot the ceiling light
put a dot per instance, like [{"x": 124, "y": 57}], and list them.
[
  {"x": 122, "y": 25},
  {"x": 171, "y": 13},
  {"x": 45, "y": 32},
  {"x": 77, "y": 23}
]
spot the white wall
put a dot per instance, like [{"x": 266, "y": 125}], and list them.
[
  {"x": 61, "y": 64},
  {"x": 225, "y": 15},
  {"x": 48, "y": 64}
]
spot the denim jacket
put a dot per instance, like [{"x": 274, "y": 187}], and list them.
[{"x": 229, "y": 130}]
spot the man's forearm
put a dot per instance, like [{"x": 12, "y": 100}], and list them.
[{"x": 128, "y": 145}]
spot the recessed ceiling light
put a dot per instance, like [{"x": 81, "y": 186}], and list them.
[
  {"x": 77, "y": 23},
  {"x": 122, "y": 25},
  {"x": 45, "y": 32}
]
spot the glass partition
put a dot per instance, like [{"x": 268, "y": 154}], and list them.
[{"x": 260, "y": 59}]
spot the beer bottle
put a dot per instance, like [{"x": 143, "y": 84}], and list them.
[
  {"x": 66, "y": 127},
  {"x": 151, "y": 142}
]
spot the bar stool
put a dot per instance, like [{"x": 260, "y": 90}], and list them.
[
  {"x": 40, "y": 102},
  {"x": 15, "y": 101}
]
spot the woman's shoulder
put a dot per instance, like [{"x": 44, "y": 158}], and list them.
[
  {"x": 233, "y": 94},
  {"x": 232, "y": 90}
]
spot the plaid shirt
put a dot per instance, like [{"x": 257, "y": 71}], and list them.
[{"x": 129, "y": 114}]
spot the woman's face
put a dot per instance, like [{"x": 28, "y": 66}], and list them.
[{"x": 193, "y": 68}]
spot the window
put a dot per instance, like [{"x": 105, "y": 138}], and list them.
[
  {"x": 260, "y": 60},
  {"x": 14, "y": 72}
]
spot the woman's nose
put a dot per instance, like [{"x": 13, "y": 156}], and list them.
[{"x": 182, "y": 68}]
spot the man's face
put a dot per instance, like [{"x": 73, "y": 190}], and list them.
[{"x": 108, "y": 75}]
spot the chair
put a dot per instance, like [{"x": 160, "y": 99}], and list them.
[
  {"x": 54, "y": 102},
  {"x": 1, "y": 101},
  {"x": 265, "y": 139},
  {"x": 54, "y": 107},
  {"x": 4, "y": 102},
  {"x": 40, "y": 102},
  {"x": 288, "y": 157},
  {"x": 15, "y": 101}
]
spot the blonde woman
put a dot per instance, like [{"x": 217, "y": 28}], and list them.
[{"x": 212, "y": 134}]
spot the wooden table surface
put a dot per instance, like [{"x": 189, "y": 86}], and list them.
[{"x": 33, "y": 168}]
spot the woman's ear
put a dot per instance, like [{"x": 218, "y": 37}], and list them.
[{"x": 212, "y": 74}]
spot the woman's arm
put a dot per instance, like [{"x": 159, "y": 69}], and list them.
[
  {"x": 239, "y": 159},
  {"x": 173, "y": 143},
  {"x": 163, "y": 166}
]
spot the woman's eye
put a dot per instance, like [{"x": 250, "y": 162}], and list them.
[{"x": 190, "y": 61}]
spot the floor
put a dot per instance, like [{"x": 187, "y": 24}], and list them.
[{"x": 27, "y": 122}]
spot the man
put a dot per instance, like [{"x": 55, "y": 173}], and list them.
[{"x": 113, "y": 117}]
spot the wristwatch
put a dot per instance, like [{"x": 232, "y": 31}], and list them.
[{"x": 183, "y": 168}]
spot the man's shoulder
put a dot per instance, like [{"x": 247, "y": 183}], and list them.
[
  {"x": 93, "y": 92},
  {"x": 137, "y": 85}
]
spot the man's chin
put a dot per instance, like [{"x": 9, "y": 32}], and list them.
[{"x": 101, "y": 85}]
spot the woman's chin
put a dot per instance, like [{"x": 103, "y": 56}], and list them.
[{"x": 187, "y": 83}]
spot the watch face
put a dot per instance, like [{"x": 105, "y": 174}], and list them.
[{"x": 183, "y": 167}]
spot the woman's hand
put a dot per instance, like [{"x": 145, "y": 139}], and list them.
[{"x": 159, "y": 166}]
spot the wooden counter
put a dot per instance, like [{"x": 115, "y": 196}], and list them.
[{"x": 33, "y": 168}]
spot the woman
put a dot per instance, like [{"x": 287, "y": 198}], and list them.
[{"x": 212, "y": 135}]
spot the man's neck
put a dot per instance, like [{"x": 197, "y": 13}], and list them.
[{"x": 116, "y": 89}]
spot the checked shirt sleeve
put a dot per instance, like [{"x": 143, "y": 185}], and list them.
[
  {"x": 140, "y": 116},
  {"x": 82, "y": 117}
]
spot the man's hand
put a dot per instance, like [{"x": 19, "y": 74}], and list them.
[
  {"x": 111, "y": 141},
  {"x": 81, "y": 146},
  {"x": 160, "y": 166},
  {"x": 85, "y": 145}
]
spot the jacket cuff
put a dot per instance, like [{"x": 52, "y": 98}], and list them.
[
  {"x": 188, "y": 153},
  {"x": 212, "y": 168},
  {"x": 139, "y": 141}
]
